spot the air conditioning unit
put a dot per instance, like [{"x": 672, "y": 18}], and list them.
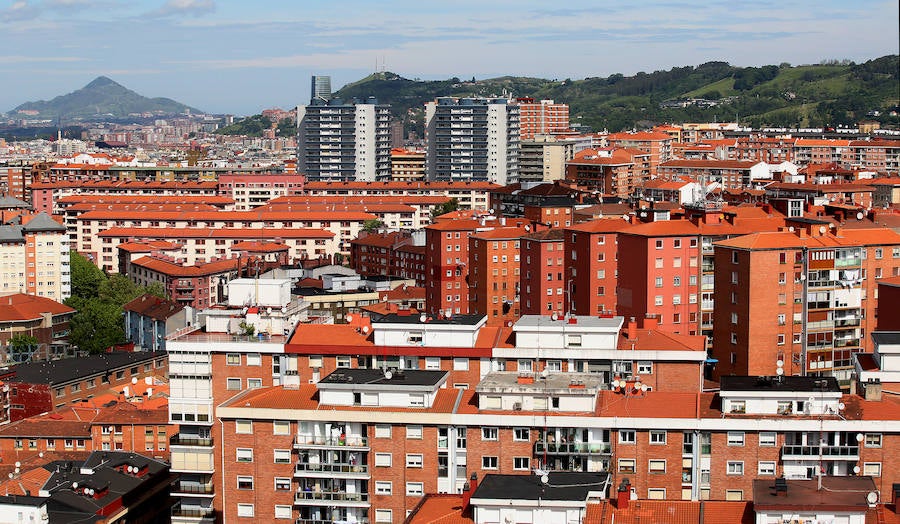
[{"x": 517, "y": 406}]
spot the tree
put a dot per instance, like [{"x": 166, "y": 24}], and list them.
[
  {"x": 86, "y": 277},
  {"x": 372, "y": 225},
  {"x": 97, "y": 326},
  {"x": 447, "y": 207},
  {"x": 20, "y": 346}
]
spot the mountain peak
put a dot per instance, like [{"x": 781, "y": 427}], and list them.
[{"x": 102, "y": 81}]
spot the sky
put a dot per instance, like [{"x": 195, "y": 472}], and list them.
[{"x": 242, "y": 56}]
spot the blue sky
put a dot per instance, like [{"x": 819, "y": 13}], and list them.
[{"x": 242, "y": 56}]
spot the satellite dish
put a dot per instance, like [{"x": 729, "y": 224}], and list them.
[
  {"x": 422, "y": 318},
  {"x": 841, "y": 406},
  {"x": 615, "y": 383},
  {"x": 74, "y": 485},
  {"x": 365, "y": 330},
  {"x": 527, "y": 229},
  {"x": 859, "y": 216},
  {"x": 546, "y": 479},
  {"x": 859, "y": 437},
  {"x": 448, "y": 313},
  {"x": 554, "y": 317},
  {"x": 10, "y": 475},
  {"x": 811, "y": 399},
  {"x": 822, "y": 230},
  {"x": 388, "y": 375},
  {"x": 18, "y": 464},
  {"x": 872, "y": 497},
  {"x": 349, "y": 318},
  {"x": 625, "y": 217},
  {"x": 779, "y": 372},
  {"x": 856, "y": 469},
  {"x": 644, "y": 387},
  {"x": 779, "y": 363},
  {"x": 133, "y": 380}
]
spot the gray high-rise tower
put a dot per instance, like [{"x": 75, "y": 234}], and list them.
[{"x": 320, "y": 88}]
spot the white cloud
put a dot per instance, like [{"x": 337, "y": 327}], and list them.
[
  {"x": 185, "y": 7},
  {"x": 18, "y": 11}
]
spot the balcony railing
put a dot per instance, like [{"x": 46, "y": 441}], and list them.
[
  {"x": 567, "y": 448},
  {"x": 302, "y": 497},
  {"x": 190, "y": 440},
  {"x": 203, "y": 489},
  {"x": 193, "y": 512},
  {"x": 301, "y": 468},
  {"x": 828, "y": 452},
  {"x": 318, "y": 440}
]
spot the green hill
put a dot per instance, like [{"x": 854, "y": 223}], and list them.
[
  {"x": 103, "y": 97},
  {"x": 782, "y": 96}
]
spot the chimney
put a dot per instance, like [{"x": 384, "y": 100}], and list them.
[
  {"x": 854, "y": 384},
  {"x": 651, "y": 321},
  {"x": 468, "y": 490},
  {"x": 631, "y": 329},
  {"x": 873, "y": 389},
  {"x": 623, "y": 494}
]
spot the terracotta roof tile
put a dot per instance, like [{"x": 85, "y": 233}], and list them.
[
  {"x": 20, "y": 307},
  {"x": 206, "y": 232}
]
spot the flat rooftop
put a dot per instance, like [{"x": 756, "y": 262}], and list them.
[
  {"x": 561, "y": 485},
  {"x": 787, "y": 384},
  {"x": 377, "y": 377},
  {"x": 500, "y": 381},
  {"x": 465, "y": 320},
  {"x": 541, "y": 321},
  {"x": 837, "y": 494}
]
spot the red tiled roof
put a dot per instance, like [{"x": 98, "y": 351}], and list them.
[
  {"x": 153, "y": 307},
  {"x": 654, "y": 339},
  {"x": 173, "y": 269},
  {"x": 206, "y": 232},
  {"x": 444, "y": 508},
  {"x": 259, "y": 247},
  {"x": 147, "y": 247},
  {"x": 397, "y": 186},
  {"x": 663, "y": 228},
  {"x": 639, "y": 136},
  {"x": 20, "y": 307},
  {"x": 710, "y": 164},
  {"x": 259, "y": 215},
  {"x": 144, "y": 199}
]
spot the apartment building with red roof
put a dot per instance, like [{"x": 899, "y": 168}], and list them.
[
  {"x": 34, "y": 257},
  {"x": 542, "y": 117},
  {"x": 42, "y": 318},
  {"x": 806, "y": 298},
  {"x": 658, "y": 273},
  {"x": 593, "y": 265},
  {"x": 545, "y": 287},
  {"x": 658, "y": 145},
  {"x": 494, "y": 274},
  {"x": 44, "y": 195},
  {"x": 389, "y": 254},
  {"x": 728, "y": 174},
  {"x": 198, "y": 286},
  {"x": 249, "y": 191},
  {"x": 616, "y": 172},
  {"x": 822, "y": 151}
]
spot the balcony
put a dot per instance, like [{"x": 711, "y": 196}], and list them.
[
  {"x": 571, "y": 448},
  {"x": 319, "y": 441},
  {"x": 341, "y": 470},
  {"x": 195, "y": 512},
  {"x": 190, "y": 440},
  {"x": 331, "y": 498},
  {"x": 796, "y": 452},
  {"x": 192, "y": 488}
]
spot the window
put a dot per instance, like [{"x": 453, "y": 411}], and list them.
[
  {"x": 245, "y": 510},
  {"x": 233, "y": 383},
  {"x": 734, "y": 494},
  {"x": 521, "y": 434},
  {"x": 656, "y": 493},
  {"x": 488, "y": 462},
  {"x": 873, "y": 440},
  {"x": 738, "y": 406},
  {"x": 645, "y": 368},
  {"x": 283, "y": 512},
  {"x": 658, "y": 300},
  {"x": 244, "y": 482},
  {"x": 383, "y": 460},
  {"x": 460, "y": 364},
  {"x": 489, "y": 433},
  {"x": 413, "y": 460},
  {"x": 433, "y": 363},
  {"x": 414, "y": 432},
  {"x": 342, "y": 361},
  {"x": 384, "y": 515},
  {"x": 281, "y": 427},
  {"x": 415, "y": 488},
  {"x": 735, "y": 438},
  {"x": 233, "y": 359},
  {"x": 735, "y": 467},
  {"x": 657, "y": 466},
  {"x": 244, "y": 454},
  {"x": 383, "y": 487},
  {"x": 626, "y": 465},
  {"x": 626, "y": 436},
  {"x": 872, "y": 469},
  {"x": 734, "y": 318},
  {"x": 282, "y": 484},
  {"x": 254, "y": 359},
  {"x": 521, "y": 463},
  {"x": 282, "y": 456},
  {"x": 659, "y": 244},
  {"x": 69, "y": 443},
  {"x": 767, "y": 467},
  {"x": 659, "y": 281},
  {"x": 766, "y": 439},
  {"x": 382, "y": 431},
  {"x": 244, "y": 427},
  {"x": 657, "y": 436}
]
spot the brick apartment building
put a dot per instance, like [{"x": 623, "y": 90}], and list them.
[
  {"x": 38, "y": 387},
  {"x": 806, "y": 297},
  {"x": 45, "y": 319},
  {"x": 494, "y": 278},
  {"x": 615, "y": 172}
]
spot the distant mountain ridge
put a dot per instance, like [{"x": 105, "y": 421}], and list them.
[{"x": 102, "y": 97}]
